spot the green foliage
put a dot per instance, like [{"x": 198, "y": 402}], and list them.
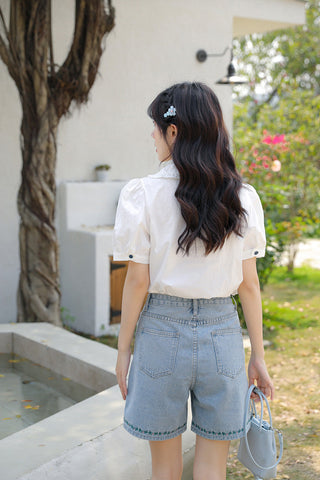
[
  {"x": 276, "y": 134},
  {"x": 66, "y": 316},
  {"x": 292, "y": 299},
  {"x": 288, "y": 57},
  {"x": 280, "y": 156}
]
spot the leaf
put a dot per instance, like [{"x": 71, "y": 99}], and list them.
[{"x": 13, "y": 361}]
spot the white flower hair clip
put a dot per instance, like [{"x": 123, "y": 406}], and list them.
[{"x": 171, "y": 112}]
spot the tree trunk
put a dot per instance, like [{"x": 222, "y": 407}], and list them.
[
  {"x": 292, "y": 253},
  {"x": 38, "y": 292},
  {"x": 46, "y": 93}
]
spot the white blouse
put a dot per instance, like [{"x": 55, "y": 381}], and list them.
[{"x": 149, "y": 223}]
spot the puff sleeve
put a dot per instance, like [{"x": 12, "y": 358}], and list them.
[
  {"x": 131, "y": 239},
  {"x": 254, "y": 240}
]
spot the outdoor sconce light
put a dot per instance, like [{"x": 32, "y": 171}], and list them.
[{"x": 230, "y": 78}]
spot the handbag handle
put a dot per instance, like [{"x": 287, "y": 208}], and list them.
[{"x": 262, "y": 397}]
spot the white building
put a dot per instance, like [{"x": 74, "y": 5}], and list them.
[{"x": 153, "y": 45}]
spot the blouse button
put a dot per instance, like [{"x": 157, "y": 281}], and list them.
[
  {"x": 130, "y": 256},
  {"x": 256, "y": 252}
]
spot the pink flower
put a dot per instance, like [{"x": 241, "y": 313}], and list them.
[
  {"x": 265, "y": 165},
  {"x": 267, "y": 140},
  {"x": 278, "y": 139},
  {"x": 273, "y": 140},
  {"x": 276, "y": 166}
]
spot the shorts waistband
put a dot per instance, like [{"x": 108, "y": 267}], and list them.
[
  {"x": 171, "y": 299},
  {"x": 204, "y": 310}
]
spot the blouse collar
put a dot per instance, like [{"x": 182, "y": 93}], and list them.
[{"x": 167, "y": 170}]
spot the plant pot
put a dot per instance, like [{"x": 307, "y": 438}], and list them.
[{"x": 102, "y": 175}]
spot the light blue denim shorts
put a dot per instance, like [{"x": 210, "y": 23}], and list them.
[{"x": 187, "y": 346}]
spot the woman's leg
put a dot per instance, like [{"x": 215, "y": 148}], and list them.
[
  {"x": 210, "y": 459},
  {"x": 166, "y": 459}
]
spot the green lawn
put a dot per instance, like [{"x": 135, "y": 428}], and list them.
[
  {"x": 292, "y": 299},
  {"x": 291, "y": 305}
]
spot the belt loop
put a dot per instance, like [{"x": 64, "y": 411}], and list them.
[
  {"x": 195, "y": 306},
  {"x": 234, "y": 301},
  {"x": 145, "y": 308}
]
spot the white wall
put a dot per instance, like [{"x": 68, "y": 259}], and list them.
[
  {"x": 152, "y": 46},
  {"x": 10, "y": 165},
  {"x": 252, "y": 16}
]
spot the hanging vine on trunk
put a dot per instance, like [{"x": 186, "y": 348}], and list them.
[{"x": 46, "y": 92}]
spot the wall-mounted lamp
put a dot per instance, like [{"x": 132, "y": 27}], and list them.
[{"x": 230, "y": 78}]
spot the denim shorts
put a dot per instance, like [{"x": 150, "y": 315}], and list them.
[{"x": 187, "y": 346}]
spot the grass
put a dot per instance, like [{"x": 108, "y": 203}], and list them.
[
  {"x": 292, "y": 322},
  {"x": 292, "y": 299}
]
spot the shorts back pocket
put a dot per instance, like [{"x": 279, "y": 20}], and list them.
[
  {"x": 229, "y": 352},
  {"x": 157, "y": 351}
]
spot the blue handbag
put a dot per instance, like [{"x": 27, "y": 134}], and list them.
[{"x": 257, "y": 450}]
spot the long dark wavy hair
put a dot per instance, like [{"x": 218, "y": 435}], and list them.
[{"x": 209, "y": 185}]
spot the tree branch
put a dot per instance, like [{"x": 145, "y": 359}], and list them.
[
  {"x": 5, "y": 53},
  {"x": 38, "y": 31},
  {"x": 4, "y": 25},
  {"x": 268, "y": 100},
  {"x": 75, "y": 77},
  {"x": 17, "y": 41},
  {"x": 50, "y": 41}
]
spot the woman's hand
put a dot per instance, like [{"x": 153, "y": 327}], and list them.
[
  {"x": 258, "y": 374},
  {"x": 122, "y": 367}
]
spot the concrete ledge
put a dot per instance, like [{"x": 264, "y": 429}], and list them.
[
  {"x": 6, "y": 341},
  {"x": 85, "y": 361},
  {"x": 86, "y": 441},
  {"x": 114, "y": 455}
]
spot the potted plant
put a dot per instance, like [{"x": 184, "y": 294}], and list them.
[{"x": 102, "y": 172}]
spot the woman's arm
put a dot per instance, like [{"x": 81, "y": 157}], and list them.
[
  {"x": 249, "y": 293},
  {"x": 134, "y": 292}
]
